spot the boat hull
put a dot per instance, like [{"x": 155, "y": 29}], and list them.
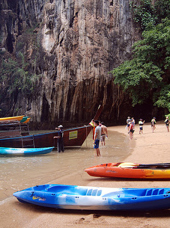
[
  {"x": 72, "y": 137},
  {"x": 13, "y": 118},
  {"x": 130, "y": 170},
  {"x": 93, "y": 198},
  {"x": 24, "y": 151}
]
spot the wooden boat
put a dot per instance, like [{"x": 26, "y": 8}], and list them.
[
  {"x": 131, "y": 170},
  {"x": 25, "y": 151},
  {"x": 72, "y": 137},
  {"x": 94, "y": 198},
  {"x": 13, "y": 118}
]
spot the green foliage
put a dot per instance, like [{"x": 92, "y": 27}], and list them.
[
  {"x": 162, "y": 10},
  {"x": 163, "y": 99},
  {"x": 144, "y": 13},
  {"x": 147, "y": 75},
  {"x": 155, "y": 45},
  {"x": 18, "y": 75},
  {"x": 15, "y": 75},
  {"x": 148, "y": 15},
  {"x": 138, "y": 79},
  {"x": 168, "y": 115}
]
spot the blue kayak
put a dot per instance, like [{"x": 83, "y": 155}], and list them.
[
  {"x": 25, "y": 151},
  {"x": 94, "y": 198}
]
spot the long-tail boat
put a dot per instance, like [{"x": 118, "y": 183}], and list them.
[{"x": 17, "y": 139}]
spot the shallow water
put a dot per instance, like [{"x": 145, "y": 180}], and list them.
[{"x": 17, "y": 173}]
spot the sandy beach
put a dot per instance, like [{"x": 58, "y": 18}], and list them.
[{"x": 145, "y": 148}]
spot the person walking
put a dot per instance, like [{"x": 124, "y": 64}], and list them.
[
  {"x": 141, "y": 123},
  {"x": 97, "y": 137},
  {"x": 128, "y": 123},
  {"x": 60, "y": 143},
  {"x": 131, "y": 130},
  {"x": 167, "y": 123},
  {"x": 153, "y": 123},
  {"x": 133, "y": 122}
]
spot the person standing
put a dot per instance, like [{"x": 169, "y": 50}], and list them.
[
  {"x": 97, "y": 137},
  {"x": 131, "y": 130},
  {"x": 104, "y": 133},
  {"x": 60, "y": 143},
  {"x": 153, "y": 123},
  {"x": 128, "y": 123},
  {"x": 133, "y": 122},
  {"x": 141, "y": 123},
  {"x": 167, "y": 123}
]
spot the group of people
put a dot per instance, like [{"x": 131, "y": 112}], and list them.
[
  {"x": 99, "y": 134},
  {"x": 153, "y": 123},
  {"x": 130, "y": 124}
]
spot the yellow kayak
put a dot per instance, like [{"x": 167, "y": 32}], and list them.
[{"x": 19, "y": 118}]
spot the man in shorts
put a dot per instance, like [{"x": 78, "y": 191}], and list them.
[
  {"x": 97, "y": 137},
  {"x": 104, "y": 133}
]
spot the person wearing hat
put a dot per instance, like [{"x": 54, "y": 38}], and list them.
[
  {"x": 60, "y": 144},
  {"x": 167, "y": 123}
]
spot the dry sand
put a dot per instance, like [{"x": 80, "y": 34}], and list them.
[{"x": 146, "y": 148}]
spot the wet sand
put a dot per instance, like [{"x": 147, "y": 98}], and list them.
[{"x": 146, "y": 148}]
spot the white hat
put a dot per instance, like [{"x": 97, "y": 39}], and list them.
[{"x": 60, "y": 126}]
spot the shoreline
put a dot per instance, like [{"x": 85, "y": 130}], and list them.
[{"x": 145, "y": 148}]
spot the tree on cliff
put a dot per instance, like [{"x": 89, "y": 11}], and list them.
[{"x": 147, "y": 74}]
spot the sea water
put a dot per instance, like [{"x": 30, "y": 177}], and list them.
[{"x": 20, "y": 172}]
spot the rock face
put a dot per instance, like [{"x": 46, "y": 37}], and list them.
[{"x": 76, "y": 43}]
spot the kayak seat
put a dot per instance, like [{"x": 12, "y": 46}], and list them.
[
  {"x": 67, "y": 190},
  {"x": 154, "y": 192},
  {"x": 161, "y": 192},
  {"x": 149, "y": 192},
  {"x": 94, "y": 192}
]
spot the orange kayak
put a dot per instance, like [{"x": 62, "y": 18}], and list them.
[{"x": 131, "y": 170}]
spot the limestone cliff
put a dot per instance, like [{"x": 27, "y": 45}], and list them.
[{"x": 70, "y": 45}]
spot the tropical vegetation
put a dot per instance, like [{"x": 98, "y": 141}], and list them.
[{"x": 147, "y": 74}]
